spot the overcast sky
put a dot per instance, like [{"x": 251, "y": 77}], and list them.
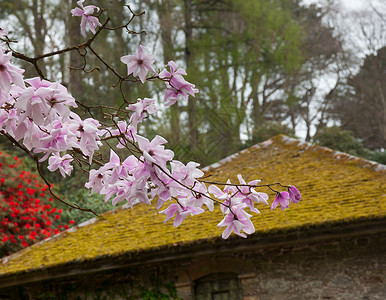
[{"x": 352, "y": 4}]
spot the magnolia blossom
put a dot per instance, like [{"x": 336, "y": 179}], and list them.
[
  {"x": 176, "y": 85},
  {"x": 88, "y": 133},
  {"x": 125, "y": 131},
  {"x": 141, "y": 108},
  {"x": 181, "y": 212},
  {"x": 9, "y": 73},
  {"x": 200, "y": 197},
  {"x": 60, "y": 162},
  {"x": 44, "y": 101},
  {"x": 86, "y": 13},
  {"x": 237, "y": 220},
  {"x": 154, "y": 151},
  {"x": 186, "y": 174},
  {"x": 225, "y": 196},
  {"x": 96, "y": 181},
  {"x": 294, "y": 194},
  {"x": 174, "y": 71},
  {"x": 139, "y": 64},
  {"x": 249, "y": 195},
  {"x": 281, "y": 198}
]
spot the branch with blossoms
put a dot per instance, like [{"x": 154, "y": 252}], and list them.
[{"x": 36, "y": 114}]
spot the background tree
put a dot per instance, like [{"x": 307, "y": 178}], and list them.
[{"x": 361, "y": 106}]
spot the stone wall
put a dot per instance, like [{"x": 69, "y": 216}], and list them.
[
  {"x": 352, "y": 268},
  {"x": 349, "y": 269}
]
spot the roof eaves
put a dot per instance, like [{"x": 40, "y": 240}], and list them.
[{"x": 269, "y": 240}]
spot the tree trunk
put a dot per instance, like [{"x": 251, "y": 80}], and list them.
[
  {"x": 192, "y": 108},
  {"x": 165, "y": 16},
  {"x": 75, "y": 80}
]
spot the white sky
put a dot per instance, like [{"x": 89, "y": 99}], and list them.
[
  {"x": 352, "y": 4},
  {"x": 347, "y": 4}
]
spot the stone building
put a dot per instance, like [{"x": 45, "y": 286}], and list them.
[{"x": 332, "y": 245}]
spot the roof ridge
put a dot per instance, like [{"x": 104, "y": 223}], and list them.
[
  {"x": 375, "y": 166},
  {"x": 232, "y": 156}
]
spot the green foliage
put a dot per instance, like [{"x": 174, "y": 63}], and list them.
[
  {"x": 83, "y": 198},
  {"x": 378, "y": 156},
  {"x": 236, "y": 47},
  {"x": 344, "y": 140},
  {"x": 270, "y": 129},
  {"x": 156, "y": 293},
  {"x": 360, "y": 104}
]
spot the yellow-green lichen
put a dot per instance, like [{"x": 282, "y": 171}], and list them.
[{"x": 334, "y": 189}]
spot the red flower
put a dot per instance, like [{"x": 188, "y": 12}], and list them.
[{"x": 24, "y": 207}]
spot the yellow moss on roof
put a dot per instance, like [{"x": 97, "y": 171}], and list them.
[{"x": 335, "y": 188}]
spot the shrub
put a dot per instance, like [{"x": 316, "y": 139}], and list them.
[{"x": 26, "y": 214}]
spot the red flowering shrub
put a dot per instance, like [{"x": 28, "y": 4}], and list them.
[{"x": 26, "y": 215}]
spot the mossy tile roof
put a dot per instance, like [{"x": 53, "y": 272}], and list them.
[{"x": 335, "y": 188}]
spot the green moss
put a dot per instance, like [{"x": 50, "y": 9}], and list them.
[{"x": 333, "y": 190}]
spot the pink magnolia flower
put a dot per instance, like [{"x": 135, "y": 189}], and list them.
[
  {"x": 88, "y": 134},
  {"x": 294, "y": 194},
  {"x": 44, "y": 101},
  {"x": 186, "y": 174},
  {"x": 218, "y": 193},
  {"x": 56, "y": 138},
  {"x": 237, "y": 220},
  {"x": 128, "y": 131},
  {"x": 139, "y": 64},
  {"x": 60, "y": 162},
  {"x": 249, "y": 195},
  {"x": 197, "y": 198},
  {"x": 173, "y": 71},
  {"x": 95, "y": 181},
  {"x": 9, "y": 73},
  {"x": 140, "y": 109},
  {"x": 281, "y": 198},
  {"x": 229, "y": 191},
  {"x": 86, "y": 13},
  {"x": 154, "y": 151},
  {"x": 117, "y": 169},
  {"x": 178, "y": 86},
  {"x": 57, "y": 97},
  {"x": 181, "y": 213}
]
